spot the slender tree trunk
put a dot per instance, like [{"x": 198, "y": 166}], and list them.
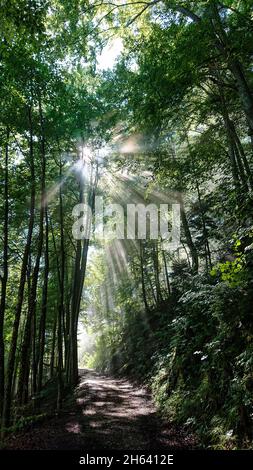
[
  {"x": 62, "y": 252},
  {"x": 30, "y": 332},
  {"x": 144, "y": 295},
  {"x": 147, "y": 276},
  {"x": 4, "y": 278},
  {"x": 244, "y": 158},
  {"x": 79, "y": 276},
  {"x": 72, "y": 355},
  {"x": 186, "y": 253},
  {"x": 67, "y": 294},
  {"x": 30, "y": 328},
  {"x": 242, "y": 162},
  {"x": 15, "y": 330},
  {"x": 205, "y": 233},
  {"x": 42, "y": 327},
  {"x": 238, "y": 171},
  {"x": 72, "y": 345},
  {"x": 166, "y": 272},
  {"x": 59, "y": 359},
  {"x": 223, "y": 45},
  {"x": 244, "y": 91},
  {"x": 57, "y": 335},
  {"x": 52, "y": 359},
  {"x": 156, "y": 272},
  {"x": 189, "y": 241},
  {"x": 61, "y": 310}
]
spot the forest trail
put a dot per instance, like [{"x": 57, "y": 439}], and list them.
[{"x": 107, "y": 413}]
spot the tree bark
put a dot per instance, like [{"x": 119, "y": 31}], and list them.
[
  {"x": 52, "y": 359},
  {"x": 31, "y": 320},
  {"x": 236, "y": 68},
  {"x": 144, "y": 295},
  {"x": 189, "y": 241},
  {"x": 59, "y": 360},
  {"x": 61, "y": 304},
  {"x": 4, "y": 278},
  {"x": 42, "y": 327},
  {"x": 205, "y": 233},
  {"x": 222, "y": 43},
  {"x": 78, "y": 282},
  {"x": 15, "y": 330},
  {"x": 156, "y": 272},
  {"x": 166, "y": 272}
]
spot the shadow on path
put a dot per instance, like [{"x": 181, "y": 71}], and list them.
[{"x": 108, "y": 414}]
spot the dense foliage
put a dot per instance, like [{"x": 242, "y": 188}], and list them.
[
  {"x": 45, "y": 120},
  {"x": 177, "y": 95},
  {"x": 171, "y": 122}
]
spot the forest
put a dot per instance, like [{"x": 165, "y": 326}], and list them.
[{"x": 121, "y": 103}]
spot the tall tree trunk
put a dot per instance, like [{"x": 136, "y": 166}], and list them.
[
  {"x": 4, "y": 278},
  {"x": 57, "y": 334},
  {"x": 31, "y": 320},
  {"x": 15, "y": 330},
  {"x": 243, "y": 157},
  {"x": 42, "y": 327},
  {"x": 59, "y": 360},
  {"x": 242, "y": 162},
  {"x": 189, "y": 241},
  {"x": 156, "y": 271},
  {"x": 223, "y": 45},
  {"x": 62, "y": 252},
  {"x": 244, "y": 91},
  {"x": 144, "y": 295},
  {"x": 72, "y": 342},
  {"x": 52, "y": 358},
  {"x": 78, "y": 281},
  {"x": 166, "y": 272},
  {"x": 72, "y": 354},
  {"x": 241, "y": 175},
  {"x": 205, "y": 233},
  {"x": 67, "y": 295},
  {"x": 61, "y": 328}
]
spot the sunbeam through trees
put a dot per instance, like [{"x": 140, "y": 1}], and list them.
[{"x": 126, "y": 224}]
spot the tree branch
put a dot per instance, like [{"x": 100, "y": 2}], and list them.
[
  {"x": 142, "y": 11},
  {"x": 186, "y": 12}
]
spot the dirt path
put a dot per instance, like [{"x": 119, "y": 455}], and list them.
[{"x": 108, "y": 414}]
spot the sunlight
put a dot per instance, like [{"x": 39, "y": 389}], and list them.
[
  {"x": 82, "y": 166},
  {"x": 85, "y": 342},
  {"x": 51, "y": 193},
  {"x": 79, "y": 169},
  {"x": 109, "y": 55},
  {"x": 86, "y": 153},
  {"x": 131, "y": 145},
  {"x": 126, "y": 228}
]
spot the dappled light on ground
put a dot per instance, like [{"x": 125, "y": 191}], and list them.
[{"x": 108, "y": 413}]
